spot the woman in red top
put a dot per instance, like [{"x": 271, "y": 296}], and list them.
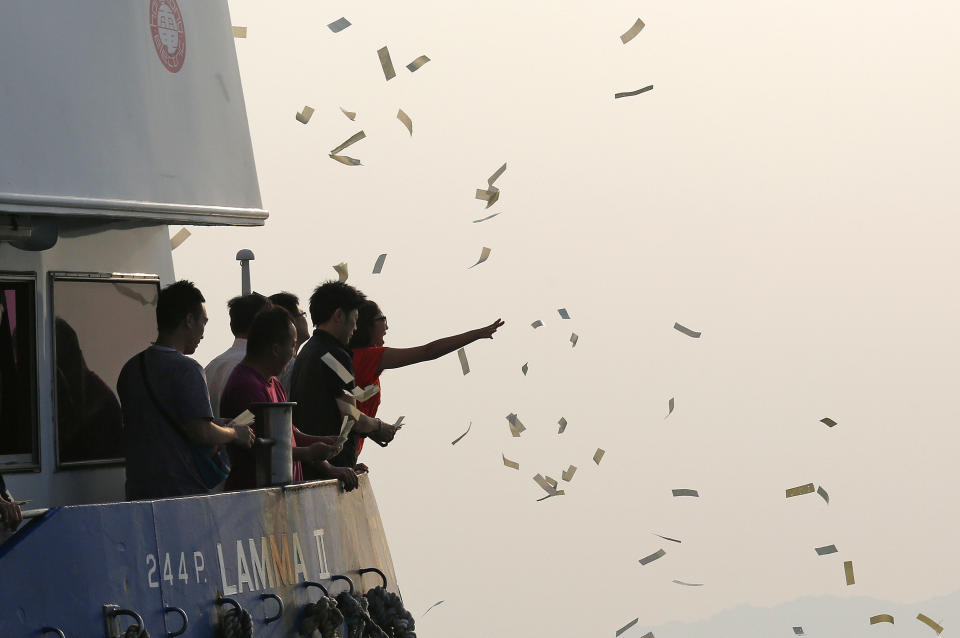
[{"x": 371, "y": 357}]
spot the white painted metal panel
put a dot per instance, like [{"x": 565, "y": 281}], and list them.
[{"x": 94, "y": 123}]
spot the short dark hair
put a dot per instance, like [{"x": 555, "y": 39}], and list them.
[
  {"x": 363, "y": 336},
  {"x": 175, "y": 302},
  {"x": 331, "y": 295},
  {"x": 270, "y": 327},
  {"x": 243, "y": 309},
  {"x": 286, "y": 300}
]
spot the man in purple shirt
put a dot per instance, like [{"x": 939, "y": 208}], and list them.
[{"x": 270, "y": 344}]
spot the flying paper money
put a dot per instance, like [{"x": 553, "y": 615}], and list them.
[
  {"x": 477, "y": 221},
  {"x": 342, "y": 271},
  {"x": 926, "y": 620},
  {"x": 798, "y": 631},
  {"x": 345, "y": 427},
  {"x": 563, "y": 313},
  {"x": 179, "y": 238},
  {"x": 826, "y": 549},
  {"x": 686, "y": 331},
  {"x": 377, "y": 267},
  {"x": 551, "y": 481},
  {"x": 680, "y": 582},
  {"x": 386, "y": 63},
  {"x": 823, "y": 494},
  {"x": 660, "y": 553},
  {"x": 509, "y": 463},
  {"x": 574, "y": 339},
  {"x": 457, "y": 440},
  {"x": 350, "y": 114},
  {"x": 239, "y": 32},
  {"x": 344, "y": 159},
  {"x": 403, "y": 117},
  {"x": 399, "y": 423},
  {"x": 686, "y": 492},
  {"x": 524, "y": 369},
  {"x": 881, "y": 618},
  {"x": 484, "y": 254},
  {"x": 365, "y": 394},
  {"x": 670, "y": 405},
  {"x": 598, "y": 455},
  {"x": 338, "y": 25},
  {"x": 827, "y": 421},
  {"x": 350, "y": 409},
  {"x": 488, "y": 195},
  {"x": 666, "y": 538},
  {"x": 356, "y": 137},
  {"x": 516, "y": 427},
  {"x": 628, "y": 626},
  {"x": 800, "y": 489},
  {"x": 304, "y": 116},
  {"x": 337, "y": 367},
  {"x": 563, "y": 425},
  {"x": 496, "y": 174},
  {"x": 551, "y": 490},
  {"x": 632, "y": 31},
  {"x": 416, "y": 64},
  {"x": 632, "y": 93},
  {"x": 244, "y": 418},
  {"x": 567, "y": 474},
  {"x": 431, "y": 607},
  {"x": 536, "y": 324},
  {"x": 848, "y": 571},
  {"x": 463, "y": 361}
]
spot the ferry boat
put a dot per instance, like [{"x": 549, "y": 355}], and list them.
[{"x": 118, "y": 120}]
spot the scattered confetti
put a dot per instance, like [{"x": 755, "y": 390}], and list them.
[
  {"x": 670, "y": 405},
  {"x": 350, "y": 141},
  {"x": 416, "y": 64},
  {"x": 524, "y": 369},
  {"x": 344, "y": 159},
  {"x": 403, "y": 117},
  {"x": 574, "y": 339},
  {"x": 464, "y": 365},
  {"x": 457, "y": 440},
  {"x": 386, "y": 63},
  {"x": 686, "y": 492},
  {"x": 632, "y": 32},
  {"x": 881, "y": 618},
  {"x": 304, "y": 116},
  {"x": 563, "y": 313},
  {"x": 484, "y": 254},
  {"x": 179, "y": 238},
  {"x": 827, "y": 421},
  {"x": 823, "y": 494},
  {"x": 342, "y": 271},
  {"x": 660, "y": 553},
  {"x": 567, "y": 474},
  {"x": 680, "y": 582},
  {"x": 632, "y": 93},
  {"x": 563, "y": 425},
  {"x": 536, "y": 324},
  {"x": 431, "y": 607},
  {"x": 477, "y": 221},
  {"x": 378, "y": 267},
  {"x": 516, "y": 427},
  {"x": 239, "y": 32},
  {"x": 798, "y": 631},
  {"x": 826, "y": 549},
  {"x": 350, "y": 114},
  {"x": 666, "y": 538},
  {"x": 628, "y": 626},
  {"x": 799, "y": 490},
  {"x": 848, "y": 572},
  {"x": 598, "y": 455},
  {"x": 926, "y": 620},
  {"x": 338, "y": 25},
  {"x": 509, "y": 463},
  {"x": 686, "y": 331}
]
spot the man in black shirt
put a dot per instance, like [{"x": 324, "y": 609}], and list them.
[{"x": 316, "y": 386}]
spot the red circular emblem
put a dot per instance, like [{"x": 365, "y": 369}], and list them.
[{"x": 166, "y": 28}]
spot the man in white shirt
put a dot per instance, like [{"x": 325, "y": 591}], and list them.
[{"x": 242, "y": 311}]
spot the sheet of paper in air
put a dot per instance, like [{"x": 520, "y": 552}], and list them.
[
  {"x": 403, "y": 117},
  {"x": 687, "y": 331},
  {"x": 881, "y": 618},
  {"x": 826, "y": 549},
  {"x": 536, "y": 324},
  {"x": 342, "y": 271},
  {"x": 345, "y": 427},
  {"x": 179, "y": 238},
  {"x": 353, "y": 139},
  {"x": 464, "y": 364},
  {"x": 929, "y": 622},
  {"x": 627, "y": 626},
  {"x": 386, "y": 63},
  {"x": 598, "y": 456},
  {"x": 509, "y": 463},
  {"x": 798, "y": 631},
  {"x": 667, "y": 538},
  {"x": 646, "y": 560},
  {"x": 680, "y": 582},
  {"x": 365, "y": 394},
  {"x": 568, "y": 473},
  {"x": 346, "y": 159},
  {"x": 632, "y": 32},
  {"x": 338, "y": 25},
  {"x": 416, "y": 64},
  {"x": 799, "y": 490},
  {"x": 670, "y": 405},
  {"x": 823, "y": 494},
  {"x": 563, "y": 425},
  {"x": 244, "y": 418},
  {"x": 457, "y": 440},
  {"x": 827, "y": 421},
  {"x": 524, "y": 369},
  {"x": 337, "y": 367},
  {"x": 484, "y": 254},
  {"x": 686, "y": 492},
  {"x": 399, "y": 423},
  {"x": 632, "y": 93},
  {"x": 304, "y": 116},
  {"x": 516, "y": 427},
  {"x": 848, "y": 572},
  {"x": 574, "y": 339},
  {"x": 483, "y": 219},
  {"x": 431, "y": 607},
  {"x": 377, "y": 267},
  {"x": 239, "y": 32},
  {"x": 563, "y": 313},
  {"x": 350, "y": 114}
]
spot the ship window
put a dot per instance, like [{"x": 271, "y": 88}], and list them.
[
  {"x": 100, "y": 322},
  {"x": 18, "y": 373}
]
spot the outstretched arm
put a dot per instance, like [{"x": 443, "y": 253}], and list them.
[{"x": 400, "y": 357}]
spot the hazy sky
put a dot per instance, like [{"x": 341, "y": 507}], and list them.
[{"x": 787, "y": 188}]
